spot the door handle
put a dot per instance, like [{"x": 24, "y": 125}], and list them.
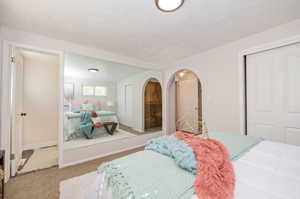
[{"x": 23, "y": 114}]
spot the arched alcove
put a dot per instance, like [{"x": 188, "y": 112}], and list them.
[
  {"x": 152, "y": 105},
  {"x": 184, "y": 101}
]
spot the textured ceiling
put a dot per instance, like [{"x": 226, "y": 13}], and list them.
[{"x": 136, "y": 28}]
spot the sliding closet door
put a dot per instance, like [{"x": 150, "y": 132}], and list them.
[{"x": 273, "y": 94}]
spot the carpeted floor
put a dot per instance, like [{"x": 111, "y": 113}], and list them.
[
  {"x": 135, "y": 132},
  {"x": 41, "y": 159},
  {"x": 44, "y": 184}
]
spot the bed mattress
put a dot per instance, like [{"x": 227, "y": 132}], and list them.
[
  {"x": 72, "y": 115},
  {"x": 268, "y": 171}
]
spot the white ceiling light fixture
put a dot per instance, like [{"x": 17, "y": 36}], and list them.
[
  {"x": 93, "y": 70},
  {"x": 181, "y": 74},
  {"x": 169, "y": 5}
]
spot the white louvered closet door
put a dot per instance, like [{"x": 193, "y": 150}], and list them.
[{"x": 273, "y": 94}]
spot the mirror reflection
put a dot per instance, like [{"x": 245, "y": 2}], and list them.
[{"x": 105, "y": 100}]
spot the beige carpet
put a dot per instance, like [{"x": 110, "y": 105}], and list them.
[
  {"x": 44, "y": 184},
  {"x": 41, "y": 159},
  {"x": 82, "y": 184}
]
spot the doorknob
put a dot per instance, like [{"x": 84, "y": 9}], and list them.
[{"x": 23, "y": 114}]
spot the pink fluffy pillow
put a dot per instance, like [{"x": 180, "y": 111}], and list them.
[{"x": 78, "y": 102}]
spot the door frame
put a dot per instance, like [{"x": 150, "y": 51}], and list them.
[
  {"x": 242, "y": 64},
  {"x": 6, "y": 98},
  {"x": 14, "y": 101}
]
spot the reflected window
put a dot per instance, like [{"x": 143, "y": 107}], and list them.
[
  {"x": 88, "y": 91},
  {"x": 100, "y": 91}
]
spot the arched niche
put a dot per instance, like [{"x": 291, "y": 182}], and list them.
[{"x": 183, "y": 89}]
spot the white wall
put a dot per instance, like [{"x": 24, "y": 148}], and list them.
[
  {"x": 218, "y": 70},
  {"x": 85, "y": 153},
  {"x": 43, "y": 42},
  {"x": 138, "y": 81},
  {"x": 1, "y": 62}
]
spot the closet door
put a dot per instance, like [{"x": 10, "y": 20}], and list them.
[
  {"x": 273, "y": 97},
  {"x": 129, "y": 100}
]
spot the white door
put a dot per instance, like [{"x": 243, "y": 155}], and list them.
[
  {"x": 273, "y": 94},
  {"x": 17, "y": 110},
  {"x": 129, "y": 91},
  {"x": 41, "y": 99},
  {"x": 187, "y": 104}
]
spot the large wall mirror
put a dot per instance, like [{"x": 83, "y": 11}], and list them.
[{"x": 105, "y": 101}]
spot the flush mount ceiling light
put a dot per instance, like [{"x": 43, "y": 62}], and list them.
[
  {"x": 181, "y": 74},
  {"x": 93, "y": 70},
  {"x": 169, "y": 5}
]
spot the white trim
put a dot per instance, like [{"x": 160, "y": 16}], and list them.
[
  {"x": 271, "y": 45},
  {"x": 5, "y": 95},
  {"x": 5, "y": 109},
  {"x": 139, "y": 130},
  {"x": 83, "y": 154},
  {"x": 39, "y": 145},
  {"x": 61, "y": 110},
  {"x": 102, "y": 155},
  {"x": 253, "y": 50}
]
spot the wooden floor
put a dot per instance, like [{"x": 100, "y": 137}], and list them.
[{"x": 44, "y": 184}]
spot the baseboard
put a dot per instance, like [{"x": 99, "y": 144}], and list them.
[
  {"x": 139, "y": 130},
  {"x": 102, "y": 155},
  {"x": 39, "y": 145}
]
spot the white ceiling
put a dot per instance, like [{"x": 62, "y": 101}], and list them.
[
  {"x": 136, "y": 28},
  {"x": 76, "y": 67}
]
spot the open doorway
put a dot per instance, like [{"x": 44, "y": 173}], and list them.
[
  {"x": 34, "y": 110},
  {"x": 152, "y": 106},
  {"x": 185, "y": 103}
]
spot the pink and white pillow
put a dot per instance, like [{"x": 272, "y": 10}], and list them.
[{"x": 84, "y": 104}]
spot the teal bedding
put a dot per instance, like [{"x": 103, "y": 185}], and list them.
[
  {"x": 178, "y": 150},
  {"x": 147, "y": 175},
  {"x": 151, "y": 175},
  {"x": 86, "y": 124},
  {"x": 236, "y": 144}
]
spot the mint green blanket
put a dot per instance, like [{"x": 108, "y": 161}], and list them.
[
  {"x": 72, "y": 115},
  {"x": 236, "y": 144},
  {"x": 150, "y": 175}
]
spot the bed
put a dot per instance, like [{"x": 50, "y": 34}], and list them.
[
  {"x": 72, "y": 123},
  {"x": 267, "y": 170}
]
